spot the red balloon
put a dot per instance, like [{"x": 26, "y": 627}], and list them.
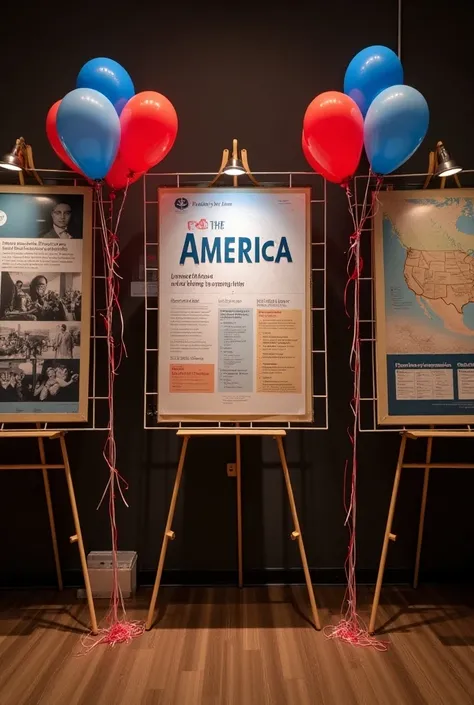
[
  {"x": 54, "y": 140},
  {"x": 308, "y": 156},
  {"x": 119, "y": 174},
  {"x": 333, "y": 128},
  {"x": 149, "y": 126}
]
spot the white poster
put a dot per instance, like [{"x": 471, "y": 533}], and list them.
[
  {"x": 45, "y": 292},
  {"x": 234, "y": 304}
]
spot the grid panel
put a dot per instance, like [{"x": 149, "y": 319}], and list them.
[
  {"x": 98, "y": 396},
  {"x": 368, "y": 401},
  {"x": 151, "y": 182}
]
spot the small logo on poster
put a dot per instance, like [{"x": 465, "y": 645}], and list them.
[
  {"x": 181, "y": 204},
  {"x": 198, "y": 224},
  {"x": 3, "y": 218}
]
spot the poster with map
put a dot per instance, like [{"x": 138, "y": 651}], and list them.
[{"x": 424, "y": 304}]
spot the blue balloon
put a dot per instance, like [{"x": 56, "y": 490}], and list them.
[
  {"x": 395, "y": 126},
  {"x": 89, "y": 130},
  {"x": 370, "y": 72},
  {"x": 108, "y": 77}
]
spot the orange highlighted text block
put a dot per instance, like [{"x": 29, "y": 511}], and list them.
[{"x": 192, "y": 378}]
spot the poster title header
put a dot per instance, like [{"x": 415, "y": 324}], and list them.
[{"x": 232, "y": 250}]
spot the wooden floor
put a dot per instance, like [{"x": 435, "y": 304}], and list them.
[{"x": 222, "y": 646}]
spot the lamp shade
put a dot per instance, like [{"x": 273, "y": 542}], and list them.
[
  {"x": 12, "y": 160},
  {"x": 234, "y": 167},
  {"x": 446, "y": 164}
]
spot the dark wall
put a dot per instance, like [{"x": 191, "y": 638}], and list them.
[{"x": 248, "y": 74}]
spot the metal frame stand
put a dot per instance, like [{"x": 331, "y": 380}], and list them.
[{"x": 151, "y": 181}]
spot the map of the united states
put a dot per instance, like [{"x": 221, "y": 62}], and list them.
[
  {"x": 446, "y": 276},
  {"x": 436, "y": 233}
]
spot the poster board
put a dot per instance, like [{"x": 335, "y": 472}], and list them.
[
  {"x": 424, "y": 306},
  {"x": 235, "y": 334},
  {"x": 45, "y": 299}
]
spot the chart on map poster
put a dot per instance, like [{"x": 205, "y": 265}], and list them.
[
  {"x": 45, "y": 283},
  {"x": 234, "y": 304},
  {"x": 424, "y": 296}
]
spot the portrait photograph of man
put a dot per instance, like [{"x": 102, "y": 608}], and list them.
[
  {"x": 61, "y": 219},
  {"x": 55, "y": 216}
]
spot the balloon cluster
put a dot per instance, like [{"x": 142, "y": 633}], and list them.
[
  {"x": 376, "y": 110},
  {"x": 103, "y": 130}
]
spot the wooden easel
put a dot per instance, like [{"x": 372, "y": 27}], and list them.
[
  {"x": 44, "y": 467},
  {"x": 427, "y": 465},
  {"x": 169, "y": 534},
  {"x": 430, "y": 435}
]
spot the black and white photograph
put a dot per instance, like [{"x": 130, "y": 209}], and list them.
[
  {"x": 35, "y": 340},
  {"x": 50, "y": 216},
  {"x": 40, "y": 296},
  {"x": 39, "y": 380}
]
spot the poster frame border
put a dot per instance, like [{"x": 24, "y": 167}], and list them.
[
  {"x": 384, "y": 418},
  {"x": 81, "y": 415},
  {"x": 308, "y": 414}
]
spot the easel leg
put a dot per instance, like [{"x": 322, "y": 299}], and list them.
[
  {"x": 169, "y": 534},
  {"x": 49, "y": 504},
  {"x": 296, "y": 534},
  {"x": 421, "y": 525},
  {"x": 78, "y": 536},
  {"x": 238, "y": 466},
  {"x": 388, "y": 535}
]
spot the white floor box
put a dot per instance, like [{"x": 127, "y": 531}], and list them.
[{"x": 99, "y": 564}]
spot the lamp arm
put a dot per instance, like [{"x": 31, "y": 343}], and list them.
[
  {"x": 225, "y": 159},
  {"x": 431, "y": 169},
  {"x": 30, "y": 164}
]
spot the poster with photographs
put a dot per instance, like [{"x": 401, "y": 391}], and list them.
[{"x": 45, "y": 296}]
